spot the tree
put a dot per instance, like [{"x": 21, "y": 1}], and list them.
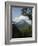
[{"x": 27, "y": 12}]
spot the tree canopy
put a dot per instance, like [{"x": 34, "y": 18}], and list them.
[{"x": 27, "y": 12}]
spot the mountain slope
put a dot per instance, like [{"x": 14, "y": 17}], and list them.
[{"x": 22, "y": 22}]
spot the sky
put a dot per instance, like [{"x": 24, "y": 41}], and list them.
[
  {"x": 17, "y": 16},
  {"x": 16, "y": 12}
]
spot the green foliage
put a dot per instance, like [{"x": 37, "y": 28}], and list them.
[
  {"x": 24, "y": 12},
  {"x": 27, "y": 29},
  {"x": 24, "y": 32}
]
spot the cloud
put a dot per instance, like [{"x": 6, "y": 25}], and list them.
[{"x": 21, "y": 17}]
